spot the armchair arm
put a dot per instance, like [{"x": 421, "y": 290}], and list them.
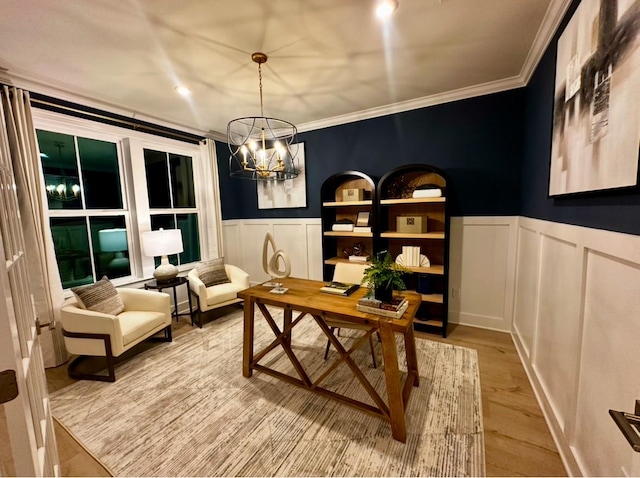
[
  {"x": 148, "y": 300},
  {"x": 196, "y": 285},
  {"x": 75, "y": 319},
  {"x": 237, "y": 275}
]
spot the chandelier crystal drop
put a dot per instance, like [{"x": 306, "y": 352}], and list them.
[{"x": 262, "y": 148}]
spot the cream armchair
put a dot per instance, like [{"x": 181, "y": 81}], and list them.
[
  {"x": 218, "y": 295},
  {"x": 89, "y": 333}
]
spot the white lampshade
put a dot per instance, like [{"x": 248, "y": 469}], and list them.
[
  {"x": 163, "y": 243},
  {"x": 113, "y": 240}
]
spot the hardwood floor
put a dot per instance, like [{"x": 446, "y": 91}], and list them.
[{"x": 517, "y": 439}]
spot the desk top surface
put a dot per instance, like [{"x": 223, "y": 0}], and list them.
[{"x": 304, "y": 295}]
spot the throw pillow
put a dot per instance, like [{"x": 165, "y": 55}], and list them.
[
  {"x": 212, "y": 272},
  {"x": 101, "y": 296}
]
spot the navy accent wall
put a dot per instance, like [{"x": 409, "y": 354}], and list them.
[
  {"x": 612, "y": 210},
  {"x": 476, "y": 142}
]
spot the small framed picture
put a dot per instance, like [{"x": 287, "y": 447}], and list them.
[{"x": 362, "y": 219}]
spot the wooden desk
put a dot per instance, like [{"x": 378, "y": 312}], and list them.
[{"x": 305, "y": 296}]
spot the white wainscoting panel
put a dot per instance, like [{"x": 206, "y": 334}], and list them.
[
  {"x": 609, "y": 377},
  {"x": 556, "y": 348},
  {"x": 576, "y": 328},
  {"x": 300, "y": 239},
  {"x": 526, "y": 300},
  {"x": 482, "y": 271}
]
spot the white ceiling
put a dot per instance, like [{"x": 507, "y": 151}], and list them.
[{"x": 330, "y": 61}]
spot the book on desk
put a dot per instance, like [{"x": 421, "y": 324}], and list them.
[
  {"x": 393, "y": 309},
  {"x": 339, "y": 288}
]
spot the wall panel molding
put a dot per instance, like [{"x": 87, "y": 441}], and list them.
[{"x": 575, "y": 329}]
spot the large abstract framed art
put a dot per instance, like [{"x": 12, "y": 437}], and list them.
[{"x": 596, "y": 118}]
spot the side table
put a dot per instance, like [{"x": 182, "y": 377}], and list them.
[{"x": 172, "y": 284}]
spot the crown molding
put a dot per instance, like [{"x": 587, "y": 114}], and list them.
[
  {"x": 552, "y": 19},
  {"x": 60, "y": 92},
  {"x": 417, "y": 103}
]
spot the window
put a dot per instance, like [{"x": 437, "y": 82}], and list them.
[
  {"x": 105, "y": 186},
  {"x": 170, "y": 189},
  {"x": 84, "y": 194}
]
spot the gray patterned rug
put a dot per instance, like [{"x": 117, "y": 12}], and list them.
[{"x": 183, "y": 408}]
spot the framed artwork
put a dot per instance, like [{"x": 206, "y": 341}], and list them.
[
  {"x": 288, "y": 193},
  {"x": 596, "y": 117}
]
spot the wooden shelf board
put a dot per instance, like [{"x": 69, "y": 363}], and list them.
[
  {"x": 406, "y": 235},
  {"x": 347, "y": 234},
  {"x": 435, "y": 298},
  {"x": 430, "y": 322},
  {"x": 334, "y": 260},
  {"x": 412, "y": 200},
  {"x": 435, "y": 270},
  {"x": 368, "y": 202}
]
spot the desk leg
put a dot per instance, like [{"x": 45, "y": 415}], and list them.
[
  {"x": 247, "y": 344},
  {"x": 394, "y": 384},
  {"x": 288, "y": 315},
  {"x": 412, "y": 359}
]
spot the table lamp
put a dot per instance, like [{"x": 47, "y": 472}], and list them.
[
  {"x": 115, "y": 240},
  {"x": 163, "y": 243}
]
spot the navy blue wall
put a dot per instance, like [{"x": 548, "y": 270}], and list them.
[
  {"x": 612, "y": 210},
  {"x": 476, "y": 142}
]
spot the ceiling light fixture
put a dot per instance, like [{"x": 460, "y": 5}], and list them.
[
  {"x": 262, "y": 148},
  {"x": 385, "y": 8},
  {"x": 183, "y": 90}
]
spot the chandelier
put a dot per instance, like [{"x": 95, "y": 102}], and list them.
[
  {"x": 262, "y": 148},
  {"x": 62, "y": 188}
]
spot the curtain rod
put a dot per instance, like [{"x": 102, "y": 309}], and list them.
[{"x": 53, "y": 104}]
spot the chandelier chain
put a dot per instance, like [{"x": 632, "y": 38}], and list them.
[{"x": 260, "y": 83}]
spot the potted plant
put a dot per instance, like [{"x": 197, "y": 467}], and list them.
[{"x": 383, "y": 276}]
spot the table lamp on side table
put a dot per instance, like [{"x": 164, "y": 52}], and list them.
[{"x": 163, "y": 243}]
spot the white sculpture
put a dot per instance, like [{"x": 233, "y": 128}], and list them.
[{"x": 271, "y": 265}]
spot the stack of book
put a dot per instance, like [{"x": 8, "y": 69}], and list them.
[
  {"x": 427, "y": 191},
  {"x": 411, "y": 256},
  {"x": 339, "y": 288},
  {"x": 393, "y": 309},
  {"x": 343, "y": 225}
]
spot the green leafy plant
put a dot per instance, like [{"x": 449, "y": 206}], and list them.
[{"x": 384, "y": 273}]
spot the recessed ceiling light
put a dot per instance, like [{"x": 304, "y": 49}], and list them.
[
  {"x": 183, "y": 90},
  {"x": 385, "y": 8}
]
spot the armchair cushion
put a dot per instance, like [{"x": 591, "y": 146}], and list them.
[
  {"x": 101, "y": 296},
  {"x": 212, "y": 272}
]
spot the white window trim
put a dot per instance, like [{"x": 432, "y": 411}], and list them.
[{"x": 130, "y": 145}]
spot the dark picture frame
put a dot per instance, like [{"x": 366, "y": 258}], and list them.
[{"x": 596, "y": 119}]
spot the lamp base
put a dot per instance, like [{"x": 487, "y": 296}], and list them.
[{"x": 166, "y": 271}]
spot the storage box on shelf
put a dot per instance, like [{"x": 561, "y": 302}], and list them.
[
  {"x": 428, "y": 229},
  {"x": 359, "y": 191}
]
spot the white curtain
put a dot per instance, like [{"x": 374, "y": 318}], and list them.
[
  {"x": 212, "y": 202},
  {"x": 46, "y": 289}
]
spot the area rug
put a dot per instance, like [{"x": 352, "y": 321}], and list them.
[{"x": 184, "y": 409}]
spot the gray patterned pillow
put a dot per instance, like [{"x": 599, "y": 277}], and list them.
[
  {"x": 99, "y": 297},
  {"x": 212, "y": 272}
]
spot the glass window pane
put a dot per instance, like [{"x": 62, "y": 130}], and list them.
[
  {"x": 100, "y": 174},
  {"x": 71, "y": 243},
  {"x": 155, "y": 165},
  {"x": 110, "y": 246},
  {"x": 182, "y": 181},
  {"x": 62, "y": 182},
  {"x": 164, "y": 221},
  {"x": 188, "y": 224}
]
